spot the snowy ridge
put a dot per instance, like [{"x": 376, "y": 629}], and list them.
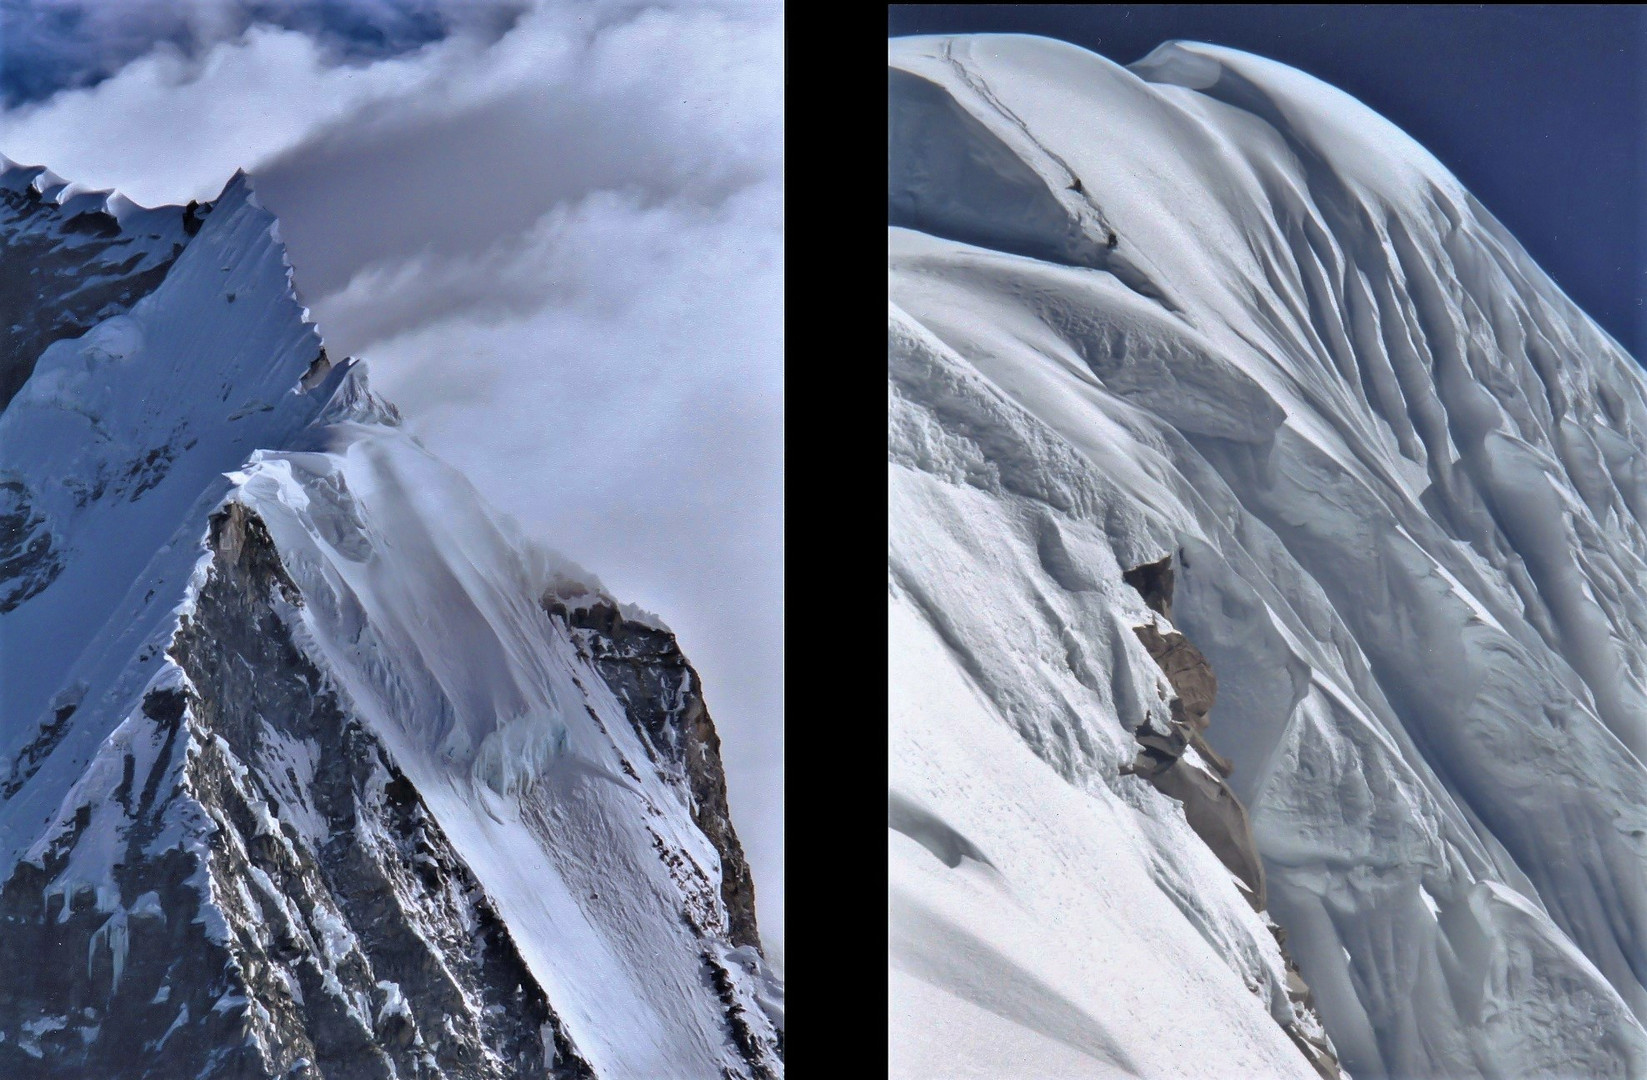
[
  {"x": 118, "y": 443},
  {"x": 156, "y": 230},
  {"x": 520, "y": 749},
  {"x": 276, "y": 684},
  {"x": 1231, "y": 316}
]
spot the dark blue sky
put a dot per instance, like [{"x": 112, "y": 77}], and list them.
[{"x": 1540, "y": 110}]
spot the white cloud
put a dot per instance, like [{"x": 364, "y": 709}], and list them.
[
  {"x": 561, "y": 250},
  {"x": 168, "y": 127}
]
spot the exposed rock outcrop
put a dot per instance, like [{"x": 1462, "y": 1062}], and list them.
[
  {"x": 663, "y": 697},
  {"x": 29, "y": 558},
  {"x": 1181, "y": 765},
  {"x": 360, "y": 948},
  {"x": 1178, "y": 761}
]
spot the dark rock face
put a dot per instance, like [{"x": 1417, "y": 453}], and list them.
[
  {"x": 737, "y": 1020},
  {"x": 358, "y": 946},
  {"x": 663, "y": 697},
  {"x": 60, "y": 275},
  {"x": 68, "y": 1010},
  {"x": 50, "y": 732},
  {"x": 1153, "y": 581},
  {"x": 1210, "y": 807},
  {"x": 29, "y": 559}
]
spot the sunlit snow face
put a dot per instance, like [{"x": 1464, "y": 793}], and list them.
[{"x": 554, "y": 230}]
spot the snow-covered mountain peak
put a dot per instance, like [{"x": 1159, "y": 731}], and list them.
[
  {"x": 278, "y": 690},
  {"x": 70, "y": 258},
  {"x": 36, "y": 183},
  {"x": 1318, "y": 119},
  {"x": 1208, "y": 309},
  {"x": 17, "y": 177}
]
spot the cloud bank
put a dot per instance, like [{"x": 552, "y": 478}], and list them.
[
  {"x": 555, "y": 231},
  {"x": 52, "y": 45}
]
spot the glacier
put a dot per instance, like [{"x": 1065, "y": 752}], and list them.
[
  {"x": 1208, "y": 314},
  {"x": 311, "y": 764}
]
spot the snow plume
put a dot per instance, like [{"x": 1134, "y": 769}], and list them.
[{"x": 556, "y": 232}]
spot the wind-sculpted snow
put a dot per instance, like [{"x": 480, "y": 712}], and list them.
[
  {"x": 1401, "y": 479},
  {"x": 304, "y": 767}
]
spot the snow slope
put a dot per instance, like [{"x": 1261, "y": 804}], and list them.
[
  {"x": 119, "y": 441},
  {"x": 522, "y": 753},
  {"x": 1210, "y": 308},
  {"x": 304, "y": 751}
]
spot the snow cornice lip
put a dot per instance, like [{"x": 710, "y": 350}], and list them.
[{"x": 16, "y": 176}]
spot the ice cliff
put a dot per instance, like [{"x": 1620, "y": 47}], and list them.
[
  {"x": 1206, "y": 315},
  {"x": 310, "y": 766}
]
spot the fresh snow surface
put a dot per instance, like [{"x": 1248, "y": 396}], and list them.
[
  {"x": 1401, "y": 478},
  {"x": 1063, "y": 954}
]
